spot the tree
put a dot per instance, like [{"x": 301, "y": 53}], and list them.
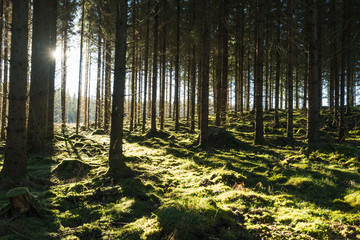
[
  {"x": 51, "y": 87},
  {"x": 313, "y": 118},
  {"x": 6, "y": 70},
  {"x": 154, "y": 80},
  {"x": 146, "y": 67},
  {"x": 78, "y": 115},
  {"x": 177, "y": 67},
  {"x": 258, "y": 88},
  {"x": 290, "y": 79},
  {"x": 15, "y": 157},
  {"x": 40, "y": 66},
  {"x": 205, "y": 39},
  {"x": 117, "y": 166}
]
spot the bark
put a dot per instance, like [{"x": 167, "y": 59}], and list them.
[
  {"x": 40, "y": 66},
  {"x": 133, "y": 70},
  {"x": 15, "y": 157},
  {"x": 177, "y": 67},
  {"x": 225, "y": 59},
  {"x": 314, "y": 82},
  {"x": 154, "y": 80},
  {"x": 117, "y": 165},
  {"x": 162, "y": 90},
  {"x": 98, "y": 84},
  {"x": 86, "y": 84},
  {"x": 146, "y": 59},
  {"x": 64, "y": 70},
  {"x": 290, "y": 82},
  {"x": 78, "y": 113},
  {"x": 6, "y": 71},
  {"x": 258, "y": 88},
  {"x": 205, "y": 40},
  {"x": 51, "y": 88},
  {"x": 277, "y": 67}
]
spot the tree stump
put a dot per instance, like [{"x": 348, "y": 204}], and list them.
[{"x": 21, "y": 202}]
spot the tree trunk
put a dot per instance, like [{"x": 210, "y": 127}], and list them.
[
  {"x": 314, "y": 83},
  {"x": 64, "y": 70},
  {"x": 40, "y": 66},
  {"x": 15, "y": 157},
  {"x": 259, "y": 132},
  {"x": 117, "y": 167},
  {"x": 277, "y": 68},
  {"x": 177, "y": 67},
  {"x": 6, "y": 71},
  {"x": 86, "y": 84},
  {"x": 290, "y": 82},
  {"x": 162, "y": 90},
  {"x": 78, "y": 114},
  {"x": 225, "y": 55},
  {"x": 98, "y": 83},
  {"x": 51, "y": 89},
  {"x": 146, "y": 67},
  {"x": 205, "y": 40},
  {"x": 154, "y": 80}
]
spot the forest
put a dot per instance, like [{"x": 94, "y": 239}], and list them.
[{"x": 179, "y": 119}]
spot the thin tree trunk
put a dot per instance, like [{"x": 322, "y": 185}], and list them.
[
  {"x": 64, "y": 71},
  {"x": 259, "y": 132},
  {"x": 290, "y": 82},
  {"x": 6, "y": 70},
  {"x": 277, "y": 68},
  {"x": 162, "y": 90},
  {"x": 98, "y": 84},
  {"x": 78, "y": 114},
  {"x": 177, "y": 67},
  {"x": 205, "y": 39},
  {"x": 154, "y": 81},
  {"x": 146, "y": 67},
  {"x": 86, "y": 84}
]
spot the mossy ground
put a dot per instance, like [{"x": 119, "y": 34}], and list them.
[{"x": 282, "y": 190}]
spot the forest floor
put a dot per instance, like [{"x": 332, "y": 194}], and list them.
[{"x": 230, "y": 190}]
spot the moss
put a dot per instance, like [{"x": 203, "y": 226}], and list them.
[{"x": 353, "y": 199}]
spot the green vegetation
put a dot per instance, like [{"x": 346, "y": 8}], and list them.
[{"x": 282, "y": 190}]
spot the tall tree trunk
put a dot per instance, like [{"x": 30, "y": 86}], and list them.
[
  {"x": 241, "y": 60},
  {"x": 225, "y": 58},
  {"x": 342, "y": 77},
  {"x": 40, "y": 66},
  {"x": 133, "y": 69},
  {"x": 259, "y": 131},
  {"x": 117, "y": 165},
  {"x": 205, "y": 40},
  {"x": 314, "y": 82},
  {"x": 6, "y": 70},
  {"x": 98, "y": 83},
  {"x": 146, "y": 59},
  {"x": 162, "y": 90},
  {"x": 154, "y": 80},
  {"x": 86, "y": 84},
  {"x": 51, "y": 90},
  {"x": 78, "y": 113},
  {"x": 277, "y": 68},
  {"x": 290, "y": 82},
  {"x": 15, "y": 157},
  {"x": 64, "y": 70},
  {"x": 193, "y": 73},
  {"x": 177, "y": 67}
]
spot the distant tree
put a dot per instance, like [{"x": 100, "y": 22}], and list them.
[
  {"x": 15, "y": 156},
  {"x": 117, "y": 166}
]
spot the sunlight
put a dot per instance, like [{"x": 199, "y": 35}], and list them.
[{"x": 56, "y": 54}]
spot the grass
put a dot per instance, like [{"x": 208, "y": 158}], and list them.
[{"x": 282, "y": 190}]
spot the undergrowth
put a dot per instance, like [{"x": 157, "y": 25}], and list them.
[{"x": 282, "y": 190}]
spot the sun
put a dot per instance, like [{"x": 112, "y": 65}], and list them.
[{"x": 56, "y": 54}]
